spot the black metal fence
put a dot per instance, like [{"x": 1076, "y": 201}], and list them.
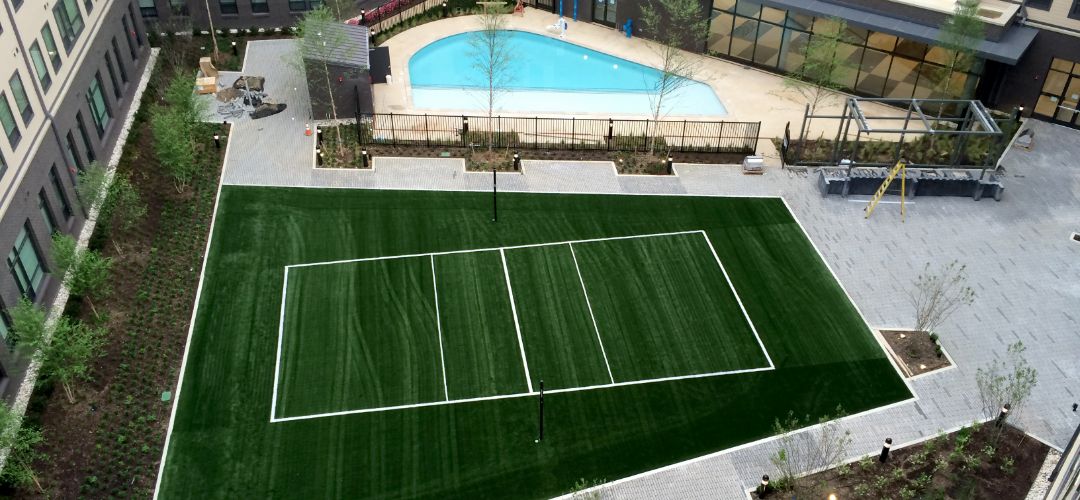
[{"x": 558, "y": 133}]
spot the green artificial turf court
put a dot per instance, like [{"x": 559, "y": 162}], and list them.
[{"x": 356, "y": 343}]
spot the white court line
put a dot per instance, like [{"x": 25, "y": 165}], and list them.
[
  {"x": 739, "y": 300},
  {"x": 492, "y": 249},
  {"x": 517, "y": 326},
  {"x": 438, "y": 323},
  {"x": 591, "y": 315},
  {"x": 280, "y": 334},
  {"x": 520, "y": 394}
]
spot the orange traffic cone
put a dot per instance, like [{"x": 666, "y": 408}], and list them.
[{"x": 307, "y": 129}]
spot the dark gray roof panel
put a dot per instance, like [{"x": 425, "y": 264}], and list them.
[
  {"x": 352, "y": 51},
  {"x": 1008, "y": 50}
]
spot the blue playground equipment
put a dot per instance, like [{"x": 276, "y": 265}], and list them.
[{"x": 629, "y": 28}]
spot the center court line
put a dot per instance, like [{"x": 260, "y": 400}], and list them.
[
  {"x": 520, "y": 394},
  {"x": 438, "y": 323},
  {"x": 591, "y": 315},
  {"x": 517, "y": 326}
]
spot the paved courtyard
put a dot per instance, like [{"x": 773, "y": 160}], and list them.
[{"x": 1021, "y": 262}]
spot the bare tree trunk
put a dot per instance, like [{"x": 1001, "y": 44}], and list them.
[
  {"x": 68, "y": 391},
  {"x": 333, "y": 112},
  {"x": 213, "y": 33}
]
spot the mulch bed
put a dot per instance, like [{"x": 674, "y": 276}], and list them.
[
  {"x": 109, "y": 443},
  {"x": 916, "y": 351},
  {"x": 981, "y": 461}
]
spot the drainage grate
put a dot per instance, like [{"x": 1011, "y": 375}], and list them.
[{"x": 1075, "y": 237}]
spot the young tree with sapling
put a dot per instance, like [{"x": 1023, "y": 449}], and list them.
[
  {"x": 324, "y": 40},
  {"x": 939, "y": 294},
  {"x": 1006, "y": 381},
  {"x": 801, "y": 451},
  {"x": 91, "y": 181},
  {"x": 73, "y": 346},
  {"x": 213, "y": 32},
  {"x": 27, "y": 327},
  {"x": 22, "y": 443},
  {"x": 85, "y": 271},
  {"x": 492, "y": 56},
  {"x": 675, "y": 26},
  {"x": 824, "y": 68},
  {"x": 959, "y": 39},
  {"x": 175, "y": 128},
  {"x": 124, "y": 205}
]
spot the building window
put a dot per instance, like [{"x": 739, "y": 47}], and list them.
[
  {"x": 302, "y": 5},
  {"x": 85, "y": 137},
  {"x": 119, "y": 62},
  {"x": 147, "y": 8},
  {"x": 1074, "y": 12},
  {"x": 40, "y": 68},
  {"x": 1060, "y": 97},
  {"x": 58, "y": 191},
  {"x": 130, "y": 36},
  {"x": 46, "y": 214},
  {"x": 3, "y": 166},
  {"x": 227, "y": 6},
  {"x": 1038, "y": 4},
  {"x": 50, "y": 46},
  {"x": 112, "y": 76},
  {"x": 22, "y": 102},
  {"x": 880, "y": 64},
  {"x": 89, "y": 4},
  {"x": 99, "y": 109},
  {"x": 16, "y": 4},
  {"x": 179, "y": 7},
  {"x": 71, "y": 153},
  {"x": 25, "y": 265},
  {"x": 260, "y": 6},
  {"x": 69, "y": 20},
  {"x": 4, "y": 329},
  {"x": 134, "y": 30},
  {"x": 7, "y": 119}
]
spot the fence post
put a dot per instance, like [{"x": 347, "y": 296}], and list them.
[
  {"x": 536, "y": 132},
  {"x": 720, "y": 137},
  {"x": 359, "y": 133},
  {"x": 393, "y": 131},
  {"x": 757, "y": 136},
  {"x": 464, "y": 131},
  {"x": 573, "y": 131},
  {"x": 682, "y": 140},
  {"x": 610, "y": 132},
  {"x": 428, "y": 130},
  {"x": 498, "y": 130}
]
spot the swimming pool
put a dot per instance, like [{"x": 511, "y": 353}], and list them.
[{"x": 548, "y": 75}]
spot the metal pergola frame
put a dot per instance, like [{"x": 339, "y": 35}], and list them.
[{"x": 971, "y": 119}]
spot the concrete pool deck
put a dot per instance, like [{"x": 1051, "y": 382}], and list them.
[{"x": 748, "y": 94}]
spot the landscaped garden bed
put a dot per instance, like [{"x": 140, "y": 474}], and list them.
[
  {"x": 916, "y": 352},
  {"x": 109, "y": 442},
  {"x": 979, "y": 461}
]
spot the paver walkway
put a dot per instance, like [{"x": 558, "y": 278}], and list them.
[{"x": 1021, "y": 262}]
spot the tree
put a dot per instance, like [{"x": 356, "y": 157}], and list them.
[
  {"x": 85, "y": 271},
  {"x": 89, "y": 187},
  {"x": 124, "y": 205},
  {"x": 959, "y": 37},
  {"x": 213, "y": 32},
  {"x": 938, "y": 295},
  {"x": 27, "y": 326},
  {"x": 824, "y": 68},
  {"x": 67, "y": 357},
  {"x": 175, "y": 126},
  {"x": 492, "y": 54},
  {"x": 324, "y": 40},
  {"x": 22, "y": 443},
  {"x": 674, "y": 25},
  {"x": 1009, "y": 381},
  {"x": 799, "y": 452}
]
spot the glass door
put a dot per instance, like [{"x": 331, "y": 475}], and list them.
[
  {"x": 1060, "y": 98},
  {"x": 604, "y": 12}
]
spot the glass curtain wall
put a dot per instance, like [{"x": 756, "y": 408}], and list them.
[{"x": 883, "y": 65}]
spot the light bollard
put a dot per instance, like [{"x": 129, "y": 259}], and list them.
[{"x": 885, "y": 450}]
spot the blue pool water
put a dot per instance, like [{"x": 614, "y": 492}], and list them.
[{"x": 549, "y": 75}]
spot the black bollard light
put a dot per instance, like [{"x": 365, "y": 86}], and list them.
[
  {"x": 363, "y": 12},
  {"x": 318, "y": 157},
  {"x": 318, "y": 135},
  {"x": 764, "y": 489},
  {"x": 235, "y": 50},
  {"x": 670, "y": 165},
  {"x": 1003, "y": 415},
  {"x": 885, "y": 450},
  {"x": 517, "y": 161},
  {"x": 1074, "y": 406},
  {"x": 217, "y": 141},
  {"x": 465, "y": 126},
  {"x": 364, "y": 157},
  {"x": 445, "y": 10}
]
